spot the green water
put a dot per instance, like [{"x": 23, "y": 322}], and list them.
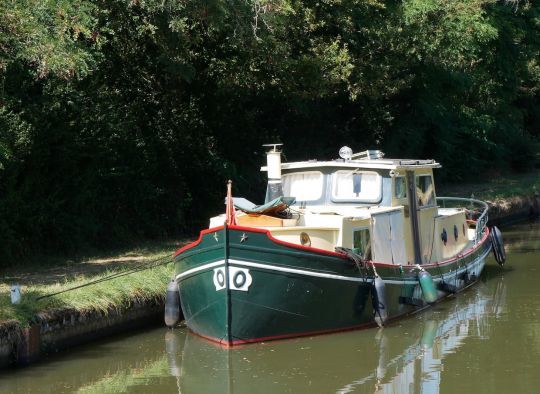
[{"x": 485, "y": 340}]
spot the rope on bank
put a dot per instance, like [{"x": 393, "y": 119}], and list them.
[{"x": 142, "y": 267}]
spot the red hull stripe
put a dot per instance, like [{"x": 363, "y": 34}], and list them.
[
  {"x": 261, "y": 231},
  {"x": 319, "y": 251},
  {"x": 198, "y": 241},
  {"x": 238, "y": 342}
]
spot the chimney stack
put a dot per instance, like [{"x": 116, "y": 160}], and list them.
[{"x": 273, "y": 161}]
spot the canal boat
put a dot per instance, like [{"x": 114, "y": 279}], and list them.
[{"x": 341, "y": 244}]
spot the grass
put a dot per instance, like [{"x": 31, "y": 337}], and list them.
[
  {"x": 115, "y": 294},
  {"x": 111, "y": 258},
  {"x": 119, "y": 293},
  {"x": 496, "y": 188}
]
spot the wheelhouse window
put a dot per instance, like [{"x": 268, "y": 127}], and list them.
[
  {"x": 400, "y": 189},
  {"x": 424, "y": 190},
  {"x": 304, "y": 186},
  {"x": 362, "y": 242},
  {"x": 356, "y": 186}
]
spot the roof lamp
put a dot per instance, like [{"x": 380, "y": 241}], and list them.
[{"x": 345, "y": 153}]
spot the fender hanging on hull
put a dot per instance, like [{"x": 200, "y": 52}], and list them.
[
  {"x": 428, "y": 286},
  {"x": 379, "y": 301},
  {"x": 497, "y": 243},
  {"x": 172, "y": 304}
]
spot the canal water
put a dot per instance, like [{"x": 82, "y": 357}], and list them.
[{"x": 484, "y": 340}]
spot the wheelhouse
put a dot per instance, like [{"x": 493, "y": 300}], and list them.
[{"x": 384, "y": 209}]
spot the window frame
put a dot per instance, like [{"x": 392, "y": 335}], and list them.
[
  {"x": 361, "y": 228},
  {"x": 322, "y": 182},
  {"x": 361, "y": 200},
  {"x": 404, "y": 178},
  {"x": 433, "y": 197}
]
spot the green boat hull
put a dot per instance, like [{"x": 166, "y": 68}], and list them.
[{"x": 240, "y": 285}]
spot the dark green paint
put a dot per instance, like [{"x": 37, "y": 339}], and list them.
[{"x": 290, "y": 304}]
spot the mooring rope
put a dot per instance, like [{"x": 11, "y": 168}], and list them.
[
  {"x": 359, "y": 262},
  {"x": 142, "y": 267}
]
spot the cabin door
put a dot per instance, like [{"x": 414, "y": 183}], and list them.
[{"x": 388, "y": 238}]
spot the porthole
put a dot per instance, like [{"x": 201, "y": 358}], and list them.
[
  {"x": 239, "y": 279},
  {"x": 444, "y": 236},
  {"x": 220, "y": 278},
  {"x": 304, "y": 239}
]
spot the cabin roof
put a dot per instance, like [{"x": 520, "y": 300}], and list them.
[{"x": 387, "y": 164}]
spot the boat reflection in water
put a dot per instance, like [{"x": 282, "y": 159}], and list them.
[{"x": 408, "y": 357}]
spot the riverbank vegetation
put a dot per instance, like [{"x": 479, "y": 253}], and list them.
[
  {"x": 501, "y": 188},
  {"x": 122, "y": 120},
  {"x": 100, "y": 285}
]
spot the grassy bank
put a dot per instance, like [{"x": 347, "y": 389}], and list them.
[
  {"x": 509, "y": 196},
  {"x": 116, "y": 293},
  {"x": 497, "y": 188}
]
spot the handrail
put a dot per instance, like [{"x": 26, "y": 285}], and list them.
[{"x": 477, "y": 210}]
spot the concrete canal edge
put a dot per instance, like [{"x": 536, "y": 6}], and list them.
[
  {"x": 59, "y": 330},
  {"x": 54, "y": 331}
]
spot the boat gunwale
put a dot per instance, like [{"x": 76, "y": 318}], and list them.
[
  {"x": 261, "y": 231},
  {"x": 329, "y": 275},
  {"x": 198, "y": 240},
  {"x": 452, "y": 260}
]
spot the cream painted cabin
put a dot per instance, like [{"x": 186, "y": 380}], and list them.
[{"x": 365, "y": 203}]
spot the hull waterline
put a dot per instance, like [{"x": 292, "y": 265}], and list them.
[{"x": 240, "y": 285}]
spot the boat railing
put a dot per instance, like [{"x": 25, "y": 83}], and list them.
[{"x": 475, "y": 210}]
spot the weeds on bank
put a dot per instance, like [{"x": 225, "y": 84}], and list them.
[
  {"x": 117, "y": 293},
  {"x": 497, "y": 188}
]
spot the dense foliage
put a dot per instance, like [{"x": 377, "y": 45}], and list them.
[{"x": 122, "y": 120}]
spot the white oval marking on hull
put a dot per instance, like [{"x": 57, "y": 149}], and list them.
[{"x": 239, "y": 278}]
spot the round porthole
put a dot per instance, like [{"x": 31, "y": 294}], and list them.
[
  {"x": 239, "y": 279},
  {"x": 221, "y": 278},
  {"x": 304, "y": 239}
]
